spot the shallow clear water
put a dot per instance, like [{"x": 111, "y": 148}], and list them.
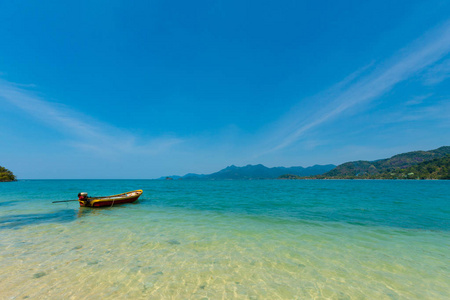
[{"x": 267, "y": 239}]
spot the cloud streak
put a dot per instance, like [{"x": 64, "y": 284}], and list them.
[
  {"x": 84, "y": 132},
  {"x": 367, "y": 87}
]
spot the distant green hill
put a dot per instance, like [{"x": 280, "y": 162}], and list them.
[
  {"x": 263, "y": 172},
  {"x": 368, "y": 169},
  {"x": 6, "y": 175},
  {"x": 256, "y": 172},
  {"x": 431, "y": 164},
  {"x": 438, "y": 168}
]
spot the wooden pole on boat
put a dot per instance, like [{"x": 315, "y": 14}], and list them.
[{"x": 63, "y": 201}]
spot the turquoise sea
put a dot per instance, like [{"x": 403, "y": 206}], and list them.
[{"x": 262, "y": 239}]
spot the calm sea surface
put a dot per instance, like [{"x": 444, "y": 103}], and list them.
[{"x": 266, "y": 239}]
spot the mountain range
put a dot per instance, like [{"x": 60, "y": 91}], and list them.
[
  {"x": 363, "y": 168},
  {"x": 432, "y": 164},
  {"x": 394, "y": 167},
  {"x": 256, "y": 172}
]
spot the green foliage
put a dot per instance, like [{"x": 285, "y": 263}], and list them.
[
  {"x": 438, "y": 168},
  {"x": 433, "y": 164},
  {"x": 6, "y": 175},
  {"x": 289, "y": 176},
  {"x": 381, "y": 169}
]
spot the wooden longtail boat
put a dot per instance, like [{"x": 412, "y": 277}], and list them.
[{"x": 128, "y": 197}]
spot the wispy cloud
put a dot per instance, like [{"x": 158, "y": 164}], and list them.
[
  {"x": 438, "y": 73},
  {"x": 418, "y": 99},
  {"x": 439, "y": 111},
  {"x": 82, "y": 131},
  {"x": 366, "y": 86}
]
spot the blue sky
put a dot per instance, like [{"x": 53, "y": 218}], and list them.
[{"x": 143, "y": 89}]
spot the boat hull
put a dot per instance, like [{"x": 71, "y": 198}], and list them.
[{"x": 128, "y": 197}]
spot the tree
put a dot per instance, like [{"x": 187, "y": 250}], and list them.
[{"x": 6, "y": 175}]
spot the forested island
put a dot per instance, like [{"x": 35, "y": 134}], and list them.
[
  {"x": 433, "y": 164},
  {"x": 6, "y": 175}
]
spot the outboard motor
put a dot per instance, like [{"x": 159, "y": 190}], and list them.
[{"x": 82, "y": 196}]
